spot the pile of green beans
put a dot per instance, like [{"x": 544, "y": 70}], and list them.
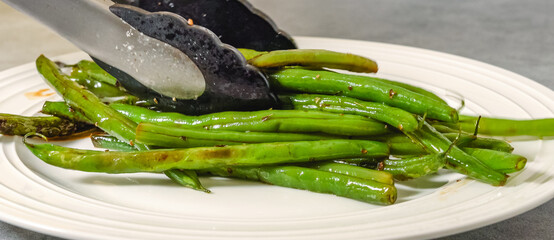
[{"x": 349, "y": 135}]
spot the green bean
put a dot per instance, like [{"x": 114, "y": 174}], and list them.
[
  {"x": 339, "y": 127},
  {"x": 472, "y": 141},
  {"x": 368, "y": 163},
  {"x": 395, "y": 117},
  {"x": 405, "y": 148},
  {"x": 85, "y": 69},
  {"x": 140, "y": 114},
  {"x": 90, "y": 106},
  {"x": 100, "y": 89},
  {"x": 355, "y": 171},
  {"x": 171, "y": 137},
  {"x": 317, "y": 58},
  {"x": 415, "y": 167},
  {"x": 316, "y": 181},
  {"x": 186, "y": 178},
  {"x": 205, "y": 157},
  {"x": 441, "y": 127},
  {"x": 361, "y": 162},
  {"x": 413, "y": 88},
  {"x": 110, "y": 142},
  {"x": 500, "y": 161},
  {"x": 161, "y": 140},
  {"x": 249, "y": 53},
  {"x": 93, "y": 78},
  {"x": 508, "y": 127},
  {"x": 401, "y": 144},
  {"x": 261, "y": 121},
  {"x": 457, "y": 160},
  {"x": 363, "y": 88},
  {"x": 46, "y": 125},
  {"x": 62, "y": 110}
]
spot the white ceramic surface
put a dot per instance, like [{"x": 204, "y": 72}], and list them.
[{"x": 82, "y": 205}]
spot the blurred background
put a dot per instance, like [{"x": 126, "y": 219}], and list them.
[{"x": 514, "y": 35}]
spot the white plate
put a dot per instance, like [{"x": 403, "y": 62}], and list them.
[{"x": 82, "y": 205}]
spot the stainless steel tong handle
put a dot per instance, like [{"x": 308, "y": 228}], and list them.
[{"x": 94, "y": 29}]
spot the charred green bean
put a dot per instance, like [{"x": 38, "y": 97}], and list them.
[
  {"x": 205, "y": 157},
  {"x": 46, "y": 125}
]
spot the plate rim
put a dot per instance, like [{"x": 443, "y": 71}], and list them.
[{"x": 518, "y": 78}]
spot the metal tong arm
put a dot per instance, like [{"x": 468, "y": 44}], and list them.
[{"x": 94, "y": 29}]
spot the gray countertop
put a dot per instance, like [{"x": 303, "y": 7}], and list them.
[{"x": 511, "y": 34}]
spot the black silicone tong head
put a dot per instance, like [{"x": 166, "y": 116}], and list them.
[
  {"x": 236, "y": 22},
  {"x": 231, "y": 84}
]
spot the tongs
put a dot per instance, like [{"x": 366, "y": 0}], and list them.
[{"x": 159, "y": 56}]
